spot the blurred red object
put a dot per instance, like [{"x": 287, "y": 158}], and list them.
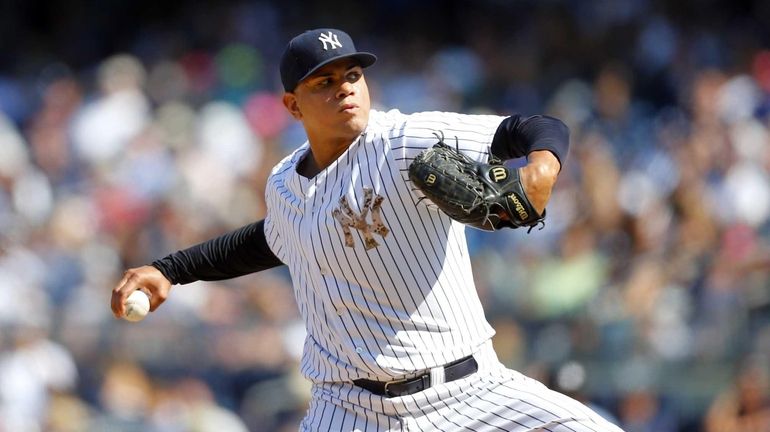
[
  {"x": 738, "y": 243},
  {"x": 266, "y": 114},
  {"x": 200, "y": 70},
  {"x": 761, "y": 69},
  {"x": 120, "y": 208}
]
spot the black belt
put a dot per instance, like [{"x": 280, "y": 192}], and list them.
[{"x": 452, "y": 371}]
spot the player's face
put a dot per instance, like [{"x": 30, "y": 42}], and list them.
[{"x": 333, "y": 102}]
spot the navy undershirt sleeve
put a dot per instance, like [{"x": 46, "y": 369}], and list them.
[
  {"x": 518, "y": 136},
  {"x": 234, "y": 254}
]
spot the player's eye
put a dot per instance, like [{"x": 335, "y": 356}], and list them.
[{"x": 354, "y": 76}]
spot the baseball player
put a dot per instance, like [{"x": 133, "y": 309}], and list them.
[{"x": 396, "y": 335}]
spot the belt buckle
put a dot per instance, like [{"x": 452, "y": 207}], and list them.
[{"x": 387, "y": 384}]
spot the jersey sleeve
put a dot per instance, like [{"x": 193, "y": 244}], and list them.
[
  {"x": 517, "y": 136},
  {"x": 237, "y": 253}
]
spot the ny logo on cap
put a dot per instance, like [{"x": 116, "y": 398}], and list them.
[{"x": 331, "y": 39}]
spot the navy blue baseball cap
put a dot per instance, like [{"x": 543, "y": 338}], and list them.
[{"x": 309, "y": 51}]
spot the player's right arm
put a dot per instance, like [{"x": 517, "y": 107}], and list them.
[{"x": 234, "y": 254}]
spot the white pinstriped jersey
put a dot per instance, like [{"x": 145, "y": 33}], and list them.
[{"x": 383, "y": 281}]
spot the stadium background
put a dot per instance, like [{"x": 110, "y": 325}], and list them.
[{"x": 129, "y": 129}]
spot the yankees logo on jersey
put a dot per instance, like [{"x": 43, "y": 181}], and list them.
[{"x": 348, "y": 218}]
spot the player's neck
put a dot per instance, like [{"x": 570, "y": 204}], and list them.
[{"x": 321, "y": 156}]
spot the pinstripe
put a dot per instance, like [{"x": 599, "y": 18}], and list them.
[
  {"x": 462, "y": 277},
  {"x": 531, "y": 415},
  {"x": 525, "y": 402},
  {"x": 342, "y": 420},
  {"x": 307, "y": 294},
  {"x": 383, "y": 268},
  {"x": 458, "y": 278},
  {"x": 311, "y": 417},
  {"x": 453, "y": 422},
  {"x": 510, "y": 408},
  {"x": 327, "y": 288},
  {"x": 326, "y": 256},
  {"x": 317, "y": 222},
  {"x": 355, "y": 421},
  {"x": 372, "y": 271},
  {"x": 459, "y": 413},
  {"x": 466, "y": 403},
  {"x": 355, "y": 276},
  {"x": 355, "y": 324},
  {"x": 397, "y": 220},
  {"x": 442, "y": 291},
  {"x": 428, "y": 417},
  {"x": 567, "y": 404},
  {"x": 323, "y": 417},
  {"x": 429, "y": 136},
  {"x": 584, "y": 411},
  {"x": 467, "y": 300}
]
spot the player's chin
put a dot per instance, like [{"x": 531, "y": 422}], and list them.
[{"x": 356, "y": 124}]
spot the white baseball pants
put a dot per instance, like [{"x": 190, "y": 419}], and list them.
[{"x": 492, "y": 399}]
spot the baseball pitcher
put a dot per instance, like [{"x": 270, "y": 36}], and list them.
[{"x": 369, "y": 215}]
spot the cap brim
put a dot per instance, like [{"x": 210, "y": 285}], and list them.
[{"x": 366, "y": 59}]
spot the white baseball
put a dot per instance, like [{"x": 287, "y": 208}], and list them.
[{"x": 137, "y": 306}]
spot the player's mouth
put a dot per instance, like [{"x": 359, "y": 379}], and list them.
[{"x": 348, "y": 108}]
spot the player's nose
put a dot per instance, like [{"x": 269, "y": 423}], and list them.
[{"x": 346, "y": 89}]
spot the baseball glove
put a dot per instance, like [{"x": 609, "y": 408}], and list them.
[{"x": 486, "y": 196}]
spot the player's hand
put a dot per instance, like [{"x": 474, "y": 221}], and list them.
[
  {"x": 147, "y": 278},
  {"x": 539, "y": 176}
]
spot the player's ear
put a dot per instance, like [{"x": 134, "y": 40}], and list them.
[{"x": 290, "y": 102}]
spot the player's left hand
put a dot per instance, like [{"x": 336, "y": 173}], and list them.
[{"x": 476, "y": 193}]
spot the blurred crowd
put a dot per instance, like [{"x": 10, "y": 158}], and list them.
[{"x": 646, "y": 295}]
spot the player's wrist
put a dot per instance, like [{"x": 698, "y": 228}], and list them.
[
  {"x": 539, "y": 177},
  {"x": 542, "y": 169},
  {"x": 545, "y": 165}
]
